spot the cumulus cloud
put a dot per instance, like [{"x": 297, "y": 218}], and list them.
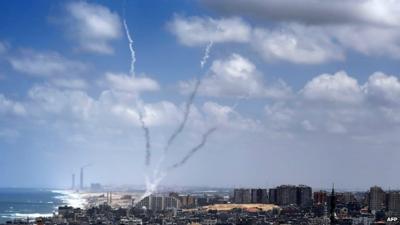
[
  {"x": 125, "y": 83},
  {"x": 223, "y": 116},
  {"x": 338, "y": 104},
  {"x": 93, "y": 26},
  {"x": 73, "y": 83},
  {"x": 297, "y": 31},
  {"x": 336, "y": 88},
  {"x": 297, "y": 44},
  {"x": 45, "y": 64},
  {"x": 376, "y": 12},
  {"x": 201, "y": 30},
  {"x": 293, "y": 43},
  {"x": 383, "y": 89},
  {"x": 236, "y": 76},
  {"x": 8, "y": 106}
]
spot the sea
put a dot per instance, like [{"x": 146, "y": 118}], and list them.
[{"x": 18, "y": 203}]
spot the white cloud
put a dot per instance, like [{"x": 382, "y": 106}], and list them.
[
  {"x": 383, "y": 88},
  {"x": 222, "y": 116},
  {"x": 45, "y": 64},
  {"x": 73, "y": 83},
  {"x": 293, "y": 43},
  {"x": 93, "y": 26},
  {"x": 47, "y": 100},
  {"x": 336, "y": 88},
  {"x": 125, "y": 83},
  {"x": 338, "y": 104},
  {"x": 236, "y": 76},
  {"x": 297, "y": 44},
  {"x": 201, "y": 30},
  {"x": 305, "y": 31},
  {"x": 374, "y": 12},
  {"x": 8, "y": 106}
]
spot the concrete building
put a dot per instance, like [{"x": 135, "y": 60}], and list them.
[
  {"x": 159, "y": 203},
  {"x": 286, "y": 195},
  {"x": 304, "y": 196},
  {"x": 393, "y": 203},
  {"x": 320, "y": 197},
  {"x": 242, "y": 196},
  {"x": 376, "y": 199},
  {"x": 259, "y": 195},
  {"x": 272, "y": 196}
]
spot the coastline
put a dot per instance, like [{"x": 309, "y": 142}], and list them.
[{"x": 59, "y": 198}]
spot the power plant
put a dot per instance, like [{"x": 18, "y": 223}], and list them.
[
  {"x": 81, "y": 179},
  {"x": 73, "y": 182},
  {"x": 82, "y": 184}
]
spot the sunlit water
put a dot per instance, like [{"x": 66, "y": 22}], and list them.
[{"x": 24, "y": 203}]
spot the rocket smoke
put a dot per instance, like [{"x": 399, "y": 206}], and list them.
[
  {"x": 145, "y": 129},
  {"x": 133, "y": 56},
  {"x": 206, "y": 54},
  {"x": 194, "y": 149},
  {"x": 185, "y": 116},
  {"x": 190, "y": 100},
  {"x": 159, "y": 174},
  {"x": 147, "y": 137}
]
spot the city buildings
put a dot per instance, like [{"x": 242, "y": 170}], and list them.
[
  {"x": 159, "y": 202},
  {"x": 254, "y": 195},
  {"x": 377, "y": 199},
  {"x": 393, "y": 203}
]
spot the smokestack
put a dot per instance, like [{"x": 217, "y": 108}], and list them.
[
  {"x": 73, "y": 182},
  {"x": 81, "y": 179}
]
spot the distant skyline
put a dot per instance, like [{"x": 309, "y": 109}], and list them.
[{"x": 299, "y": 91}]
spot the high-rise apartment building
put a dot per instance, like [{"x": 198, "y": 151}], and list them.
[
  {"x": 242, "y": 196},
  {"x": 393, "y": 202},
  {"x": 377, "y": 199},
  {"x": 304, "y": 196},
  {"x": 320, "y": 197},
  {"x": 286, "y": 195},
  {"x": 272, "y": 196}
]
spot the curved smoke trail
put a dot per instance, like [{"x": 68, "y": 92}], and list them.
[
  {"x": 147, "y": 137},
  {"x": 185, "y": 116},
  {"x": 189, "y": 102},
  {"x": 206, "y": 54},
  {"x": 158, "y": 175},
  {"x": 131, "y": 49},
  {"x": 194, "y": 149},
  {"x": 145, "y": 129}
]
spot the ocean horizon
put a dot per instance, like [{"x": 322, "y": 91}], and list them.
[{"x": 24, "y": 203}]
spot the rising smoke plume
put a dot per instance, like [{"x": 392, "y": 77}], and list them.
[
  {"x": 194, "y": 149},
  {"x": 190, "y": 100},
  {"x": 186, "y": 113},
  {"x": 144, "y": 127},
  {"x": 131, "y": 49},
  {"x": 158, "y": 174},
  {"x": 147, "y": 137},
  {"x": 206, "y": 54}
]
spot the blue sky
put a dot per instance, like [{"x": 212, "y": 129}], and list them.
[{"x": 298, "y": 91}]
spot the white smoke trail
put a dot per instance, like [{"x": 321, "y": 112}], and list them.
[
  {"x": 145, "y": 129},
  {"x": 194, "y": 149},
  {"x": 147, "y": 137},
  {"x": 206, "y": 54},
  {"x": 158, "y": 175},
  {"x": 153, "y": 182},
  {"x": 132, "y": 50},
  {"x": 186, "y": 113}
]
